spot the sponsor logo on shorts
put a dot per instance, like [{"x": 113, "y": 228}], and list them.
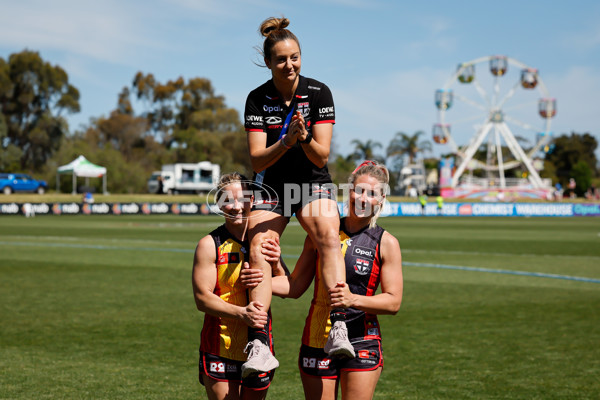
[
  {"x": 309, "y": 362},
  {"x": 231, "y": 368},
  {"x": 323, "y": 364},
  {"x": 363, "y": 354},
  {"x": 217, "y": 367},
  {"x": 368, "y": 362}
]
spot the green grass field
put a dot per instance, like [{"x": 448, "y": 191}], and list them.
[{"x": 101, "y": 307}]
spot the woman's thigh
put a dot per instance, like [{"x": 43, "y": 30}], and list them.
[
  {"x": 318, "y": 388},
  {"x": 359, "y": 385}
]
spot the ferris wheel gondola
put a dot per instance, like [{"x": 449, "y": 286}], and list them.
[{"x": 483, "y": 102}]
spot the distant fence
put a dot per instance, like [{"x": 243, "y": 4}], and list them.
[{"x": 391, "y": 209}]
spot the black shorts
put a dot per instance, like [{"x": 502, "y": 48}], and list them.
[
  {"x": 293, "y": 197},
  {"x": 315, "y": 362},
  {"x": 226, "y": 370}
]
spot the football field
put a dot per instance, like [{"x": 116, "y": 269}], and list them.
[{"x": 101, "y": 307}]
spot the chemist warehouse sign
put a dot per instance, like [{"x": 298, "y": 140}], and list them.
[{"x": 490, "y": 210}]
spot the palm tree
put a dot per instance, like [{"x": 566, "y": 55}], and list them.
[
  {"x": 365, "y": 151},
  {"x": 403, "y": 144}
]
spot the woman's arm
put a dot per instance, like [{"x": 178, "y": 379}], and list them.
[
  {"x": 318, "y": 149},
  {"x": 291, "y": 285},
  {"x": 272, "y": 252},
  {"x": 261, "y": 156},
  {"x": 295, "y": 285},
  {"x": 390, "y": 298},
  {"x": 204, "y": 280}
]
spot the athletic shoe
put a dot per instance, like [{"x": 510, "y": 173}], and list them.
[
  {"x": 338, "y": 344},
  {"x": 260, "y": 359}
]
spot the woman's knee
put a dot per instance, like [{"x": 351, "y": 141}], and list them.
[
  {"x": 256, "y": 257},
  {"x": 328, "y": 239}
]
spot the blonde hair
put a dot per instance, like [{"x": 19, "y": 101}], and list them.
[
  {"x": 379, "y": 172},
  {"x": 232, "y": 177},
  {"x": 273, "y": 29}
]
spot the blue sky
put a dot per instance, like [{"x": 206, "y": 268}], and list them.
[{"x": 383, "y": 60}]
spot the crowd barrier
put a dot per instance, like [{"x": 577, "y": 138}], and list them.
[{"x": 391, "y": 209}]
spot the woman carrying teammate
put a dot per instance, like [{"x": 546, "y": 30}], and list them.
[
  {"x": 372, "y": 257},
  {"x": 218, "y": 261},
  {"x": 289, "y": 123}
]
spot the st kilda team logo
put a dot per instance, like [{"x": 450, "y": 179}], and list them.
[{"x": 362, "y": 267}]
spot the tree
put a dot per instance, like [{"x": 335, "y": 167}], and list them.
[
  {"x": 582, "y": 173},
  {"x": 341, "y": 168},
  {"x": 191, "y": 121},
  {"x": 564, "y": 162},
  {"x": 405, "y": 145},
  {"x": 365, "y": 150},
  {"x": 33, "y": 97}
]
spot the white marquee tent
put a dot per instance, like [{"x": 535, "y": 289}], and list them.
[{"x": 81, "y": 167}]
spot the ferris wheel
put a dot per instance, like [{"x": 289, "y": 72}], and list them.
[{"x": 499, "y": 106}]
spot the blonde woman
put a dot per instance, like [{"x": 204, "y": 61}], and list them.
[
  {"x": 372, "y": 258},
  {"x": 220, "y": 295}
]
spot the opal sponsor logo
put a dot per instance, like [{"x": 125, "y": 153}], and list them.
[
  {"x": 271, "y": 109},
  {"x": 364, "y": 252},
  {"x": 586, "y": 209}
]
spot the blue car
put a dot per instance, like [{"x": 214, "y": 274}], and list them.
[{"x": 10, "y": 183}]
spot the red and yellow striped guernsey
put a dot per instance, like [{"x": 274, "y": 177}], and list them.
[{"x": 227, "y": 337}]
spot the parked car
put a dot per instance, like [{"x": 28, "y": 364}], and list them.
[{"x": 10, "y": 183}]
